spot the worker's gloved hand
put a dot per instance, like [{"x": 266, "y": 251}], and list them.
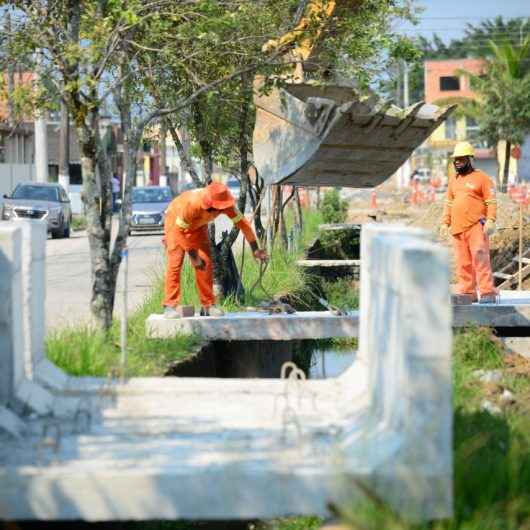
[
  {"x": 444, "y": 231},
  {"x": 260, "y": 254},
  {"x": 490, "y": 227}
]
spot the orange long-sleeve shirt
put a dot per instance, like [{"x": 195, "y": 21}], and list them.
[
  {"x": 470, "y": 198},
  {"x": 186, "y": 220}
]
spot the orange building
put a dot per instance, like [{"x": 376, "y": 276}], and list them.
[{"x": 444, "y": 79}]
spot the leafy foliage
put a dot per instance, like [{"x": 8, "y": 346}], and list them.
[{"x": 334, "y": 209}]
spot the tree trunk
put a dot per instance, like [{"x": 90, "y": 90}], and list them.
[
  {"x": 101, "y": 303},
  {"x": 64, "y": 148},
  {"x": 183, "y": 155},
  {"x": 204, "y": 142},
  {"x": 300, "y": 214},
  {"x": 506, "y": 172}
]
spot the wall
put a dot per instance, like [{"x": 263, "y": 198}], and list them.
[{"x": 12, "y": 174}]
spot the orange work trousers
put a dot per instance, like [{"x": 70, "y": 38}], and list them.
[
  {"x": 203, "y": 278},
  {"x": 473, "y": 267}
]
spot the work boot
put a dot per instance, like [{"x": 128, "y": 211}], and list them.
[
  {"x": 212, "y": 311},
  {"x": 170, "y": 312},
  {"x": 463, "y": 299},
  {"x": 490, "y": 298}
]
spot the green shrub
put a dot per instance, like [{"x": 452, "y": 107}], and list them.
[{"x": 334, "y": 209}]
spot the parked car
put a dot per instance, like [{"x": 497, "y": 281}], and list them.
[
  {"x": 148, "y": 206},
  {"x": 234, "y": 186},
  {"x": 46, "y": 201}
]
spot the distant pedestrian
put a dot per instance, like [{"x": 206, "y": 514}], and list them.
[{"x": 115, "y": 192}]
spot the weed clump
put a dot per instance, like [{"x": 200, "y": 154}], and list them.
[{"x": 334, "y": 209}]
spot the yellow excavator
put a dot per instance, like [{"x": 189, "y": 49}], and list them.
[{"x": 327, "y": 135}]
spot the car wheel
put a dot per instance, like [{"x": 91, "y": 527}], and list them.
[
  {"x": 67, "y": 231},
  {"x": 58, "y": 234}
]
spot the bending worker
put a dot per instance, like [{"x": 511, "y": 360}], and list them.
[
  {"x": 469, "y": 216},
  {"x": 186, "y": 231}
]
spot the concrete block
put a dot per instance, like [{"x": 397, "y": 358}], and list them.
[
  {"x": 50, "y": 376},
  {"x": 253, "y": 325},
  {"x": 11, "y": 424},
  {"x": 11, "y": 337},
  {"x": 31, "y": 396},
  {"x": 169, "y": 448},
  {"x": 34, "y": 235},
  {"x": 518, "y": 345},
  {"x": 185, "y": 311}
]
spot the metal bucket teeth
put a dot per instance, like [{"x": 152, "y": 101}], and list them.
[{"x": 327, "y": 136}]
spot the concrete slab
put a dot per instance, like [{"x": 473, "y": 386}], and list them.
[
  {"x": 512, "y": 310},
  {"x": 518, "y": 345},
  {"x": 242, "y": 449},
  {"x": 253, "y": 325},
  {"x": 332, "y": 263}
]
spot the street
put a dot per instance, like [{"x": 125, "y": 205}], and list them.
[{"x": 68, "y": 282}]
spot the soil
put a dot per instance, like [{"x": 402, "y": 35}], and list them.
[{"x": 504, "y": 244}]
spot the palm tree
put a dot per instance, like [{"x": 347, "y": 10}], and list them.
[{"x": 502, "y": 108}]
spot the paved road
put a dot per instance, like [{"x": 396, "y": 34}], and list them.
[
  {"x": 68, "y": 278},
  {"x": 68, "y": 281}
]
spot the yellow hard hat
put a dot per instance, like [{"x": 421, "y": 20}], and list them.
[{"x": 463, "y": 149}]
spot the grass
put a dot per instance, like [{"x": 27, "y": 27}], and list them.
[
  {"x": 78, "y": 222},
  {"x": 81, "y": 351},
  {"x": 491, "y": 452}
]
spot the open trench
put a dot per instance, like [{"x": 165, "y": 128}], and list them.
[{"x": 264, "y": 359}]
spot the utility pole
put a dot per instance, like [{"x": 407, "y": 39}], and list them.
[
  {"x": 64, "y": 148},
  {"x": 41, "y": 136},
  {"x": 404, "y": 171},
  {"x": 163, "y": 149}
]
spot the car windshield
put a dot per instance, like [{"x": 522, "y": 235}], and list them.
[
  {"x": 151, "y": 195},
  {"x": 37, "y": 193}
]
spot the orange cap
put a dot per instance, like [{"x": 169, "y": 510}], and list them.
[{"x": 218, "y": 196}]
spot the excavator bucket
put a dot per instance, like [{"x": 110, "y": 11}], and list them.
[{"x": 327, "y": 136}]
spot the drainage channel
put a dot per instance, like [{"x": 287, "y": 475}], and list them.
[{"x": 264, "y": 359}]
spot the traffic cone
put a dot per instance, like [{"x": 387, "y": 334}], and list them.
[{"x": 373, "y": 200}]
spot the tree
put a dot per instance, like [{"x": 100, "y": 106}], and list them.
[
  {"x": 474, "y": 43},
  {"x": 504, "y": 92},
  {"x": 92, "y": 52},
  {"x": 355, "y": 45}
]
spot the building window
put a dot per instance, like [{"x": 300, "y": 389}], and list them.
[
  {"x": 472, "y": 128},
  {"x": 449, "y": 83},
  {"x": 450, "y": 128}
]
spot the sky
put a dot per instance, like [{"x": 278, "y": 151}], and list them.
[{"x": 448, "y": 18}]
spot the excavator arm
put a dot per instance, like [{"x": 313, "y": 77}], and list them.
[
  {"x": 328, "y": 135},
  {"x": 318, "y": 13}
]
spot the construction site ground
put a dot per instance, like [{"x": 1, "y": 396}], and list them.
[{"x": 394, "y": 206}]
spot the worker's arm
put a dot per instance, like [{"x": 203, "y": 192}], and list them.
[
  {"x": 242, "y": 223},
  {"x": 446, "y": 217},
  {"x": 488, "y": 192}
]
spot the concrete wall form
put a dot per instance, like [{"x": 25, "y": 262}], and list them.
[{"x": 240, "y": 449}]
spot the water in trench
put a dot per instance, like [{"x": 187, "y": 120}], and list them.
[
  {"x": 332, "y": 362},
  {"x": 264, "y": 359}
]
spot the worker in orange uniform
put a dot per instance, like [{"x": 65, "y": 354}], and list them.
[
  {"x": 186, "y": 231},
  {"x": 469, "y": 216}
]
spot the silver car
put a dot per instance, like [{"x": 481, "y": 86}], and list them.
[
  {"x": 46, "y": 201},
  {"x": 148, "y": 206}
]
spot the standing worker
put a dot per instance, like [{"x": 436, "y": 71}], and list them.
[
  {"x": 186, "y": 231},
  {"x": 469, "y": 216}
]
